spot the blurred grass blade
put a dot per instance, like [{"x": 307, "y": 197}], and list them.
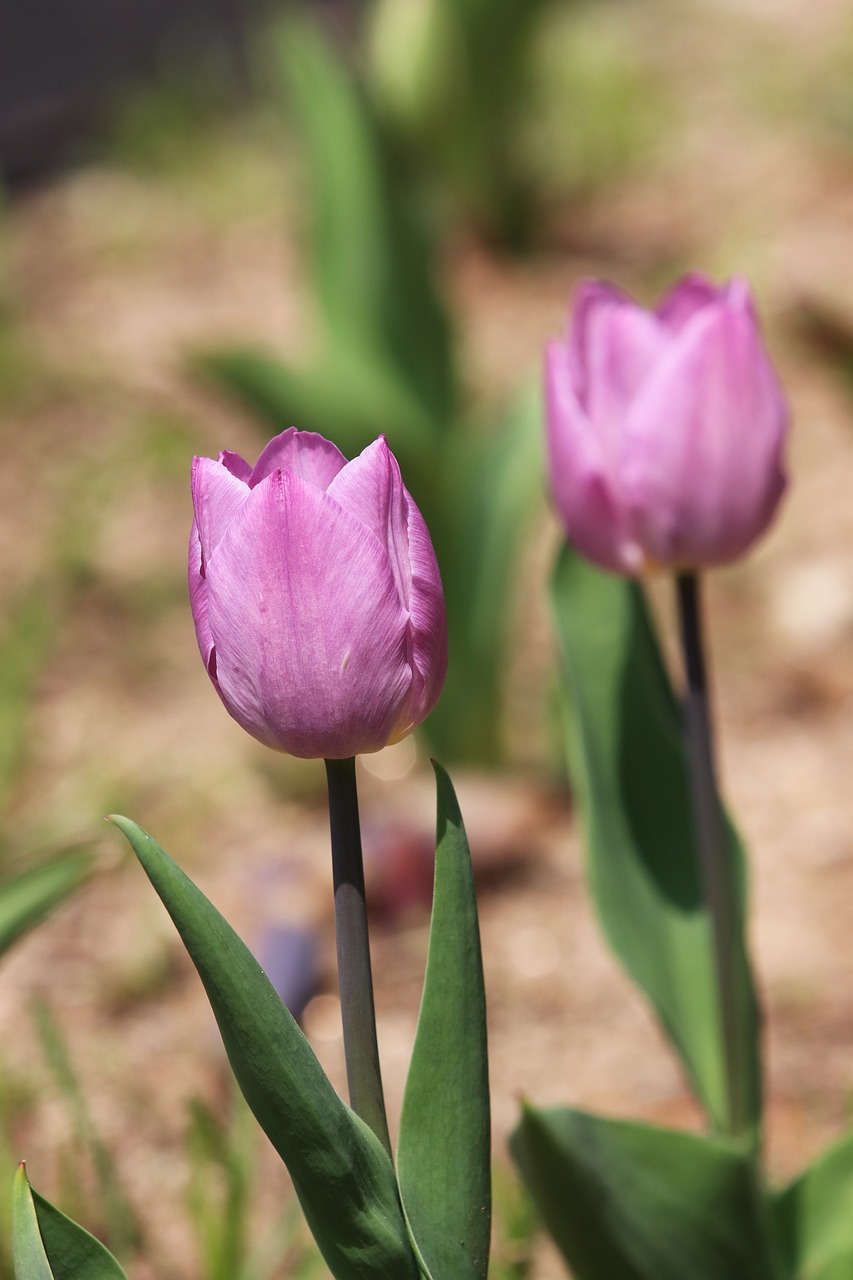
[
  {"x": 116, "y": 1211},
  {"x": 24, "y": 644},
  {"x": 813, "y": 1217},
  {"x": 221, "y": 1162},
  {"x": 627, "y": 1201},
  {"x": 628, "y": 767},
  {"x": 344, "y": 1179},
  {"x": 48, "y": 1246},
  {"x": 443, "y": 1152},
  {"x": 372, "y": 262},
  {"x": 28, "y": 897}
]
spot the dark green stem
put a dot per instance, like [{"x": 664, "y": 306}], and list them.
[
  {"x": 354, "y": 977},
  {"x": 718, "y": 872}
]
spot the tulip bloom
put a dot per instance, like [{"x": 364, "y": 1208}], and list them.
[
  {"x": 316, "y": 596},
  {"x": 665, "y": 427}
]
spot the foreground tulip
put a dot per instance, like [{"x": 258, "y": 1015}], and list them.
[
  {"x": 316, "y": 596},
  {"x": 665, "y": 428}
]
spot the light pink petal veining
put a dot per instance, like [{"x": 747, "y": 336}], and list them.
[
  {"x": 217, "y": 496},
  {"x": 371, "y": 489}
]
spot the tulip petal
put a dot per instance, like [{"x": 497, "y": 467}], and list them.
[
  {"x": 702, "y": 472},
  {"x": 690, "y": 294},
  {"x": 198, "y": 604},
  {"x": 428, "y": 621},
  {"x": 371, "y": 489},
  {"x": 217, "y": 497},
  {"x": 582, "y": 486},
  {"x": 311, "y": 637},
  {"x": 301, "y": 453},
  {"x": 238, "y": 466}
]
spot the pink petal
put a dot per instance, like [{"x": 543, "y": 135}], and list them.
[
  {"x": 311, "y": 638},
  {"x": 703, "y": 462},
  {"x": 217, "y": 497},
  {"x": 371, "y": 489},
  {"x": 198, "y": 603},
  {"x": 301, "y": 453},
  {"x": 692, "y": 293},
  {"x": 238, "y": 466},
  {"x": 584, "y": 490},
  {"x": 428, "y": 626}
]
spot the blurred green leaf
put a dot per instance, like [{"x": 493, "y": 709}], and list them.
[
  {"x": 443, "y": 1152},
  {"x": 629, "y": 770},
  {"x": 116, "y": 1212},
  {"x": 488, "y": 487},
  {"x": 28, "y": 633},
  {"x": 344, "y": 1179},
  {"x": 220, "y": 1188},
  {"x": 372, "y": 261},
  {"x": 28, "y": 897},
  {"x": 627, "y": 1201},
  {"x": 48, "y": 1246},
  {"x": 813, "y": 1217}
]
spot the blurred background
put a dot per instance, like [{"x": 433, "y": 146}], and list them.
[{"x": 220, "y": 221}]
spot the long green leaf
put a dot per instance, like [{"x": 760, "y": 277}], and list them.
[
  {"x": 814, "y": 1217},
  {"x": 27, "y": 898},
  {"x": 344, "y": 1179},
  {"x": 626, "y": 1201},
  {"x": 28, "y": 1251},
  {"x": 628, "y": 767},
  {"x": 46, "y": 1245},
  {"x": 373, "y": 263},
  {"x": 74, "y": 1254},
  {"x": 443, "y": 1152}
]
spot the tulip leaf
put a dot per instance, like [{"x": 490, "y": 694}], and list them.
[
  {"x": 443, "y": 1152},
  {"x": 28, "y": 897},
  {"x": 344, "y": 1179},
  {"x": 46, "y": 1245},
  {"x": 373, "y": 263},
  {"x": 629, "y": 1201},
  {"x": 813, "y": 1217},
  {"x": 628, "y": 766}
]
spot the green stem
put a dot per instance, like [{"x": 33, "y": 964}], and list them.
[
  {"x": 718, "y": 872},
  {"x": 354, "y": 976}
]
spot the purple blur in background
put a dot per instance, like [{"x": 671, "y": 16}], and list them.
[
  {"x": 316, "y": 596},
  {"x": 665, "y": 428}
]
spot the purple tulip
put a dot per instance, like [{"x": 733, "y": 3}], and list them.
[
  {"x": 316, "y": 596},
  {"x": 665, "y": 428}
]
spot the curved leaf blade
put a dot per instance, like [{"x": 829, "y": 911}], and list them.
[
  {"x": 344, "y": 1179},
  {"x": 629, "y": 1201},
  {"x": 628, "y": 766},
  {"x": 25, "y": 899},
  {"x": 28, "y": 1253},
  {"x": 443, "y": 1152},
  {"x": 813, "y": 1216}
]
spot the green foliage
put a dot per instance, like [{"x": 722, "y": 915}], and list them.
[
  {"x": 813, "y": 1217},
  {"x": 48, "y": 1246},
  {"x": 628, "y": 767},
  {"x": 343, "y": 1177},
  {"x": 111, "y": 1205},
  {"x": 28, "y": 897},
  {"x": 628, "y": 1201},
  {"x": 445, "y": 1132}
]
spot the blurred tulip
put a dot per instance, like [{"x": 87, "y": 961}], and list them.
[
  {"x": 316, "y": 596},
  {"x": 665, "y": 428}
]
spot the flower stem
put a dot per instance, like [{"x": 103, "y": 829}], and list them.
[
  {"x": 354, "y": 977},
  {"x": 715, "y": 855}
]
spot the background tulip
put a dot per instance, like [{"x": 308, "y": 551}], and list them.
[
  {"x": 665, "y": 427},
  {"x": 316, "y": 596}
]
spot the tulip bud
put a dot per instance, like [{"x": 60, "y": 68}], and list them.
[
  {"x": 665, "y": 428},
  {"x": 316, "y": 596}
]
